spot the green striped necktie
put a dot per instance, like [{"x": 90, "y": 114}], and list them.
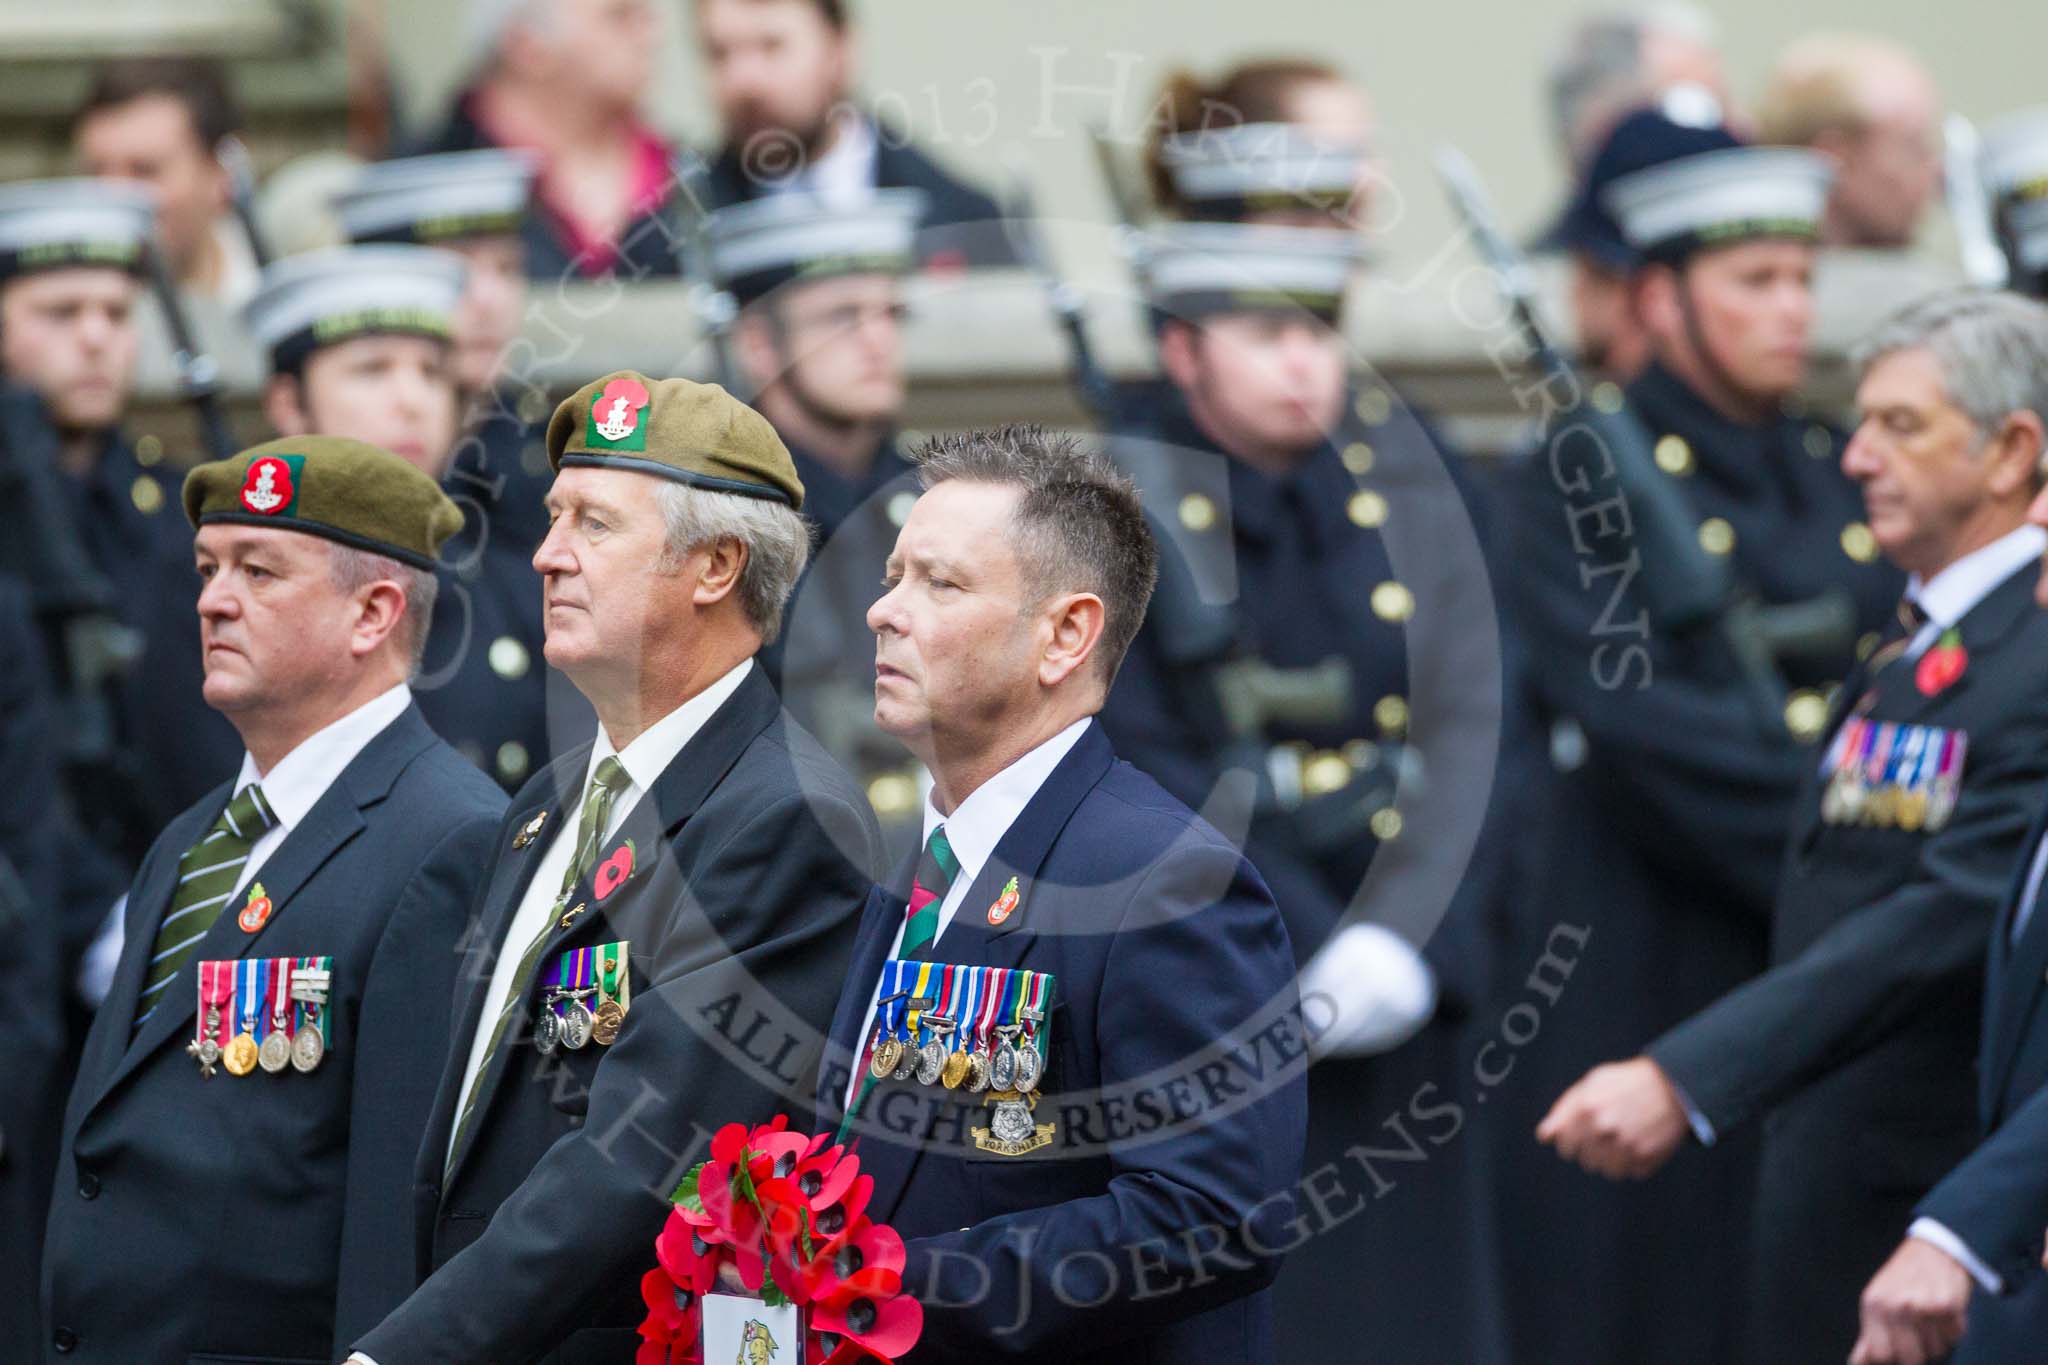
[{"x": 206, "y": 880}]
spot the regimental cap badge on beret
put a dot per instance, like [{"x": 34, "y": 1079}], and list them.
[
  {"x": 1193, "y": 270},
  {"x": 1227, "y": 172},
  {"x": 678, "y": 429},
  {"x": 345, "y": 491},
  {"x": 445, "y": 197},
  {"x": 323, "y": 298},
  {"x": 60, "y": 224},
  {"x": 1719, "y": 198},
  {"x": 759, "y": 246}
]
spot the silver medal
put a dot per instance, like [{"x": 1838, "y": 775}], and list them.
[
  {"x": 577, "y": 1025},
  {"x": 308, "y": 1047},
  {"x": 275, "y": 1054},
  {"x": 1002, "y": 1068},
  {"x": 1029, "y": 1067},
  {"x": 931, "y": 1061},
  {"x": 547, "y": 1030}
]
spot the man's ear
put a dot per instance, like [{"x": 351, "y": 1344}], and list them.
[
  {"x": 1075, "y": 622},
  {"x": 2015, "y": 451},
  {"x": 284, "y": 406},
  {"x": 382, "y": 612},
  {"x": 757, "y": 346},
  {"x": 1178, "y": 347},
  {"x": 1653, "y": 297},
  {"x": 725, "y": 559}
]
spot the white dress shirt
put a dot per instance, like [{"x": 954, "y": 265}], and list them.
[
  {"x": 1950, "y": 594},
  {"x": 292, "y": 788},
  {"x": 645, "y": 759},
  {"x": 295, "y": 785},
  {"x": 973, "y": 830}
]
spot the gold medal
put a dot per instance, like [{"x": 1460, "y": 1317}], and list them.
[
  {"x": 955, "y": 1070},
  {"x": 888, "y": 1055},
  {"x": 611, "y": 1015},
  {"x": 240, "y": 1056},
  {"x": 977, "y": 1072},
  {"x": 1912, "y": 810}
]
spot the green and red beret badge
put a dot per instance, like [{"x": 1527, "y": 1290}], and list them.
[
  {"x": 271, "y": 486},
  {"x": 615, "y": 417}
]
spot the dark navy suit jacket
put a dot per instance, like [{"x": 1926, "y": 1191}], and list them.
[
  {"x": 265, "y": 1216},
  {"x": 1150, "y": 1228}
]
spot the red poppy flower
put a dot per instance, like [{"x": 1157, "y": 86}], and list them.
[
  {"x": 834, "y": 1219},
  {"x": 671, "y": 1332},
  {"x": 735, "y": 1223},
  {"x": 867, "y": 1249},
  {"x": 825, "y": 1177},
  {"x": 688, "y": 1259},
  {"x": 1941, "y": 665},
  {"x": 612, "y": 873},
  {"x": 886, "y": 1326}
]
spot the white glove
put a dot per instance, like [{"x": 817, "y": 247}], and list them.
[{"x": 1367, "y": 991}]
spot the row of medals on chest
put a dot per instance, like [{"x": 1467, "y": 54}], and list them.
[
  {"x": 578, "y": 1025},
  {"x": 997, "y": 1060},
  {"x": 301, "y": 1049}
]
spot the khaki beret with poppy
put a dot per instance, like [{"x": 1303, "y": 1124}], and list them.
[
  {"x": 349, "y": 492},
  {"x": 696, "y": 434}
]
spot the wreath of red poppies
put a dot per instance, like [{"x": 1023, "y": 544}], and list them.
[{"x": 788, "y": 1214}]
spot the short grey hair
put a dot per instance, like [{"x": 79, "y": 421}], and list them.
[
  {"x": 1598, "y": 70},
  {"x": 1080, "y": 524},
  {"x": 352, "y": 570},
  {"x": 777, "y": 540},
  {"x": 1990, "y": 346}
]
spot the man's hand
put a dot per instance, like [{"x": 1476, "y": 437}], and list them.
[
  {"x": 1622, "y": 1120},
  {"x": 1913, "y": 1309}
]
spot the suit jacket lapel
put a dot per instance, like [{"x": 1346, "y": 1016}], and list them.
[
  {"x": 555, "y": 797},
  {"x": 879, "y": 919},
  {"x": 2014, "y": 975},
  {"x": 690, "y": 777},
  {"x": 147, "y": 902},
  {"x": 335, "y": 818},
  {"x": 971, "y": 939}
]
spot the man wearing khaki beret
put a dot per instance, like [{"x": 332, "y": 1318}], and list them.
[
  {"x": 670, "y": 909},
  {"x": 237, "y": 1154}
]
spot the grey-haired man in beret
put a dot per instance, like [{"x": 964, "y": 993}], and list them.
[
  {"x": 237, "y": 1155},
  {"x": 670, "y": 908}
]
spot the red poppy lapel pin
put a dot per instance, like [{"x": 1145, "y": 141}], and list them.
[
  {"x": 1942, "y": 664},
  {"x": 613, "y": 872},
  {"x": 256, "y": 913}
]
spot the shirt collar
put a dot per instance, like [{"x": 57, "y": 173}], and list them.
[
  {"x": 844, "y": 175},
  {"x": 1949, "y": 595},
  {"x": 648, "y": 756},
  {"x": 298, "y": 780},
  {"x": 980, "y": 822}
]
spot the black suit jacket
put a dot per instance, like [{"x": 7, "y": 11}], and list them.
[
  {"x": 1860, "y": 1036},
  {"x": 1151, "y": 1228},
  {"x": 753, "y": 854},
  {"x": 264, "y": 1216},
  {"x": 961, "y": 225}
]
